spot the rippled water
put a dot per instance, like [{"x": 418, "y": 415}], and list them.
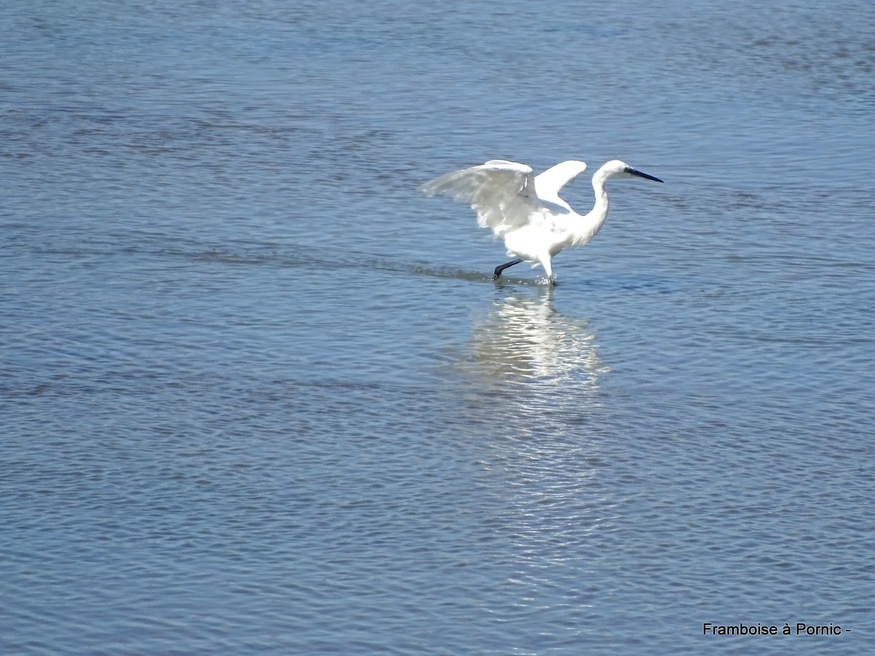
[{"x": 259, "y": 396}]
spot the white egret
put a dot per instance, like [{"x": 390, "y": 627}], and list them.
[{"x": 526, "y": 211}]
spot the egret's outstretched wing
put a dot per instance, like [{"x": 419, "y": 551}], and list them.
[
  {"x": 550, "y": 182},
  {"x": 501, "y": 192}
]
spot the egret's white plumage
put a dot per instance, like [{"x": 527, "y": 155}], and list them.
[{"x": 525, "y": 210}]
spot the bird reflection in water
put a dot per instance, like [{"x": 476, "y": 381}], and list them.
[{"x": 524, "y": 338}]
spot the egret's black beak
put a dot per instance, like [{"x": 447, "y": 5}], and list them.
[{"x": 641, "y": 174}]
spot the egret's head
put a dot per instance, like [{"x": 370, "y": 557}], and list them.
[{"x": 617, "y": 168}]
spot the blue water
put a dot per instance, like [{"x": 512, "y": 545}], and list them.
[{"x": 257, "y": 395}]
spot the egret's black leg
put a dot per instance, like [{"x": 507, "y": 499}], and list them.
[{"x": 502, "y": 267}]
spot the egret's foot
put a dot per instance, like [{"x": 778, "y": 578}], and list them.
[{"x": 502, "y": 267}]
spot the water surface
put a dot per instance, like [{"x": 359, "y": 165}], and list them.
[{"x": 259, "y": 396}]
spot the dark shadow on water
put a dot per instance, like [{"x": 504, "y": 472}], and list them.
[{"x": 476, "y": 276}]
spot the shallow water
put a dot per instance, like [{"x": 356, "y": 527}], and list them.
[{"x": 259, "y": 396}]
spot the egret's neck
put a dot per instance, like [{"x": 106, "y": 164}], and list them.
[
  {"x": 599, "y": 211},
  {"x": 595, "y": 218}
]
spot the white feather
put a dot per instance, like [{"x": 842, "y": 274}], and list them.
[{"x": 501, "y": 192}]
